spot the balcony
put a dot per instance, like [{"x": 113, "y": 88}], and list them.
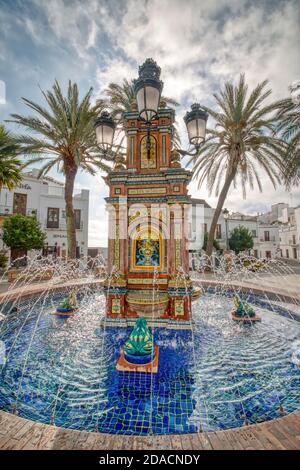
[
  {"x": 270, "y": 239},
  {"x": 61, "y": 226},
  {"x": 8, "y": 210}
]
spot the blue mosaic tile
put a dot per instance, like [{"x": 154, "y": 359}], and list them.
[{"x": 214, "y": 378}]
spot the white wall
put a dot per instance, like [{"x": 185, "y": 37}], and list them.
[
  {"x": 42, "y": 194},
  {"x": 262, "y": 247},
  {"x": 268, "y": 248}
]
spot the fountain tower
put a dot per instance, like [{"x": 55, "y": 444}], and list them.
[{"x": 148, "y": 203}]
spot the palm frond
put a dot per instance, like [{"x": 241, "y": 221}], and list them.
[{"x": 241, "y": 141}]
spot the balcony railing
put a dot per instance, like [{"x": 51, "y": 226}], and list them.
[
  {"x": 61, "y": 225},
  {"x": 270, "y": 239},
  {"x": 8, "y": 210}
]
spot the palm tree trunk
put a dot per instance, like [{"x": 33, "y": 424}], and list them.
[
  {"x": 70, "y": 216},
  {"x": 221, "y": 200}
]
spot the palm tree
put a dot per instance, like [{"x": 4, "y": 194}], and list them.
[
  {"x": 241, "y": 144},
  {"x": 62, "y": 136},
  {"x": 288, "y": 127},
  {"x": 121, "y": 98},
  {"x": 10, "y": 165}
]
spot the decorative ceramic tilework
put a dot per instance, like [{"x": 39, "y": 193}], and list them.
[
  {"x": 146, "y": 281},
  {"x": 179, "y": 307},
  {"x": 178, "y": 253},
  {"x": 116, "y": 306},
  {"x": 147, "y": 191},
  {"x": 147, "y": 250},
  {"x": 117, "y": 247},
  {"x": 148, "y": 161},
  {"x": 214, "y": 378},
  {"x": 164, "y": 150},
  {"x": 131, "y": 151}
]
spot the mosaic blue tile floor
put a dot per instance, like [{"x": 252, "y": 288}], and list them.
[{"x": 217, "y": 377}]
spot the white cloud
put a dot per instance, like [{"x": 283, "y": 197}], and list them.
[
  {"x": 114, "y": 70},
  {"x": 198, "y": 45}
]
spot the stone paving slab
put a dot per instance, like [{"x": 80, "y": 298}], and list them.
[{"x": 21, "y": 434}]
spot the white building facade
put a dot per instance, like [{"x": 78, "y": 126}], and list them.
[
  {"x": 289, "y": 233},
  {"x": 265, "y": 235},
  {"x": 44, "y": 199}
]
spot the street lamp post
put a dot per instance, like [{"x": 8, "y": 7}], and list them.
[
  {"x": 105, "y": 130},
  {"x": 226, "y": 216},
  {"x": 148, "y": 88}
]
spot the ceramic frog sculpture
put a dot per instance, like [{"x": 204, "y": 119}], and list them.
[
  {"x": 242, "y": 308},
  {"x": 140, "y": 342},
  {"x": 70, "y": 302}
]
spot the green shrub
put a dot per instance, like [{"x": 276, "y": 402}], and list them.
[{"x": 3, "y": 259}]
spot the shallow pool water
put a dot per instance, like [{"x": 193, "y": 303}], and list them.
[{"x": 218, "y": 376}]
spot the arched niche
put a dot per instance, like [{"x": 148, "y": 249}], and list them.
[
  {"x": 148, "y": 162},
  {"x": 147, "y": 249}
]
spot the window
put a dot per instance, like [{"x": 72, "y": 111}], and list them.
[
  {"x": 268, "y": 255},
  {"x": 20, "y": 203},
  {"x": 77, "y": 213},
  {"x": 53, "y": 217},
  {"x": 205, "y": 229},
  {"x": 267, "y": 236},
  {"x": 287, "y": 253},
  {"x": 255, "y": 253},
  {"x": 294, "y": 239},
  {"x": 218, "y": 232},
  {"x": 254, "y": 233},
  {"x": 295, "y": 253}
]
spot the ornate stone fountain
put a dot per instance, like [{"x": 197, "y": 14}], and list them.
[{"x": 147, "y": 205}]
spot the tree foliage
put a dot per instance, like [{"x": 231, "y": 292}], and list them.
[
  {"x": 288, "y": 127},
  {"x": 10, "y": 165},
  {"x": 121, "y": 97},
  {"x": 62, "y": 136},
  {"x": 241, "y": 146},
  {"x": 22, "y": 232},
  {"x": 216, "y": 244},
  {"x": 241, "y": 239},
  {"x": 3, "y": 259}
]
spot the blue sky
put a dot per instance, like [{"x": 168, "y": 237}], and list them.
[{"x": 199, "y": 44}]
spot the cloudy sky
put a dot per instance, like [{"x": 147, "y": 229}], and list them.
[{"x": 198, "y": 44}]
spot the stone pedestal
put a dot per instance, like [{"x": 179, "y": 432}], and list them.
[{"x": 125, "y": 366}]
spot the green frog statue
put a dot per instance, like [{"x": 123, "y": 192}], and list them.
[
  {"x": 69, "y": 304},
  {"x": 140, "y": 342},
  {"x": 242, "y": 309}
]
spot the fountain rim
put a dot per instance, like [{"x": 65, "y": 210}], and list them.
[
  {"x": 290, "y": 417},
  {"x": 38, "y": 288},
  {"x": 35, "y": 289}
]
